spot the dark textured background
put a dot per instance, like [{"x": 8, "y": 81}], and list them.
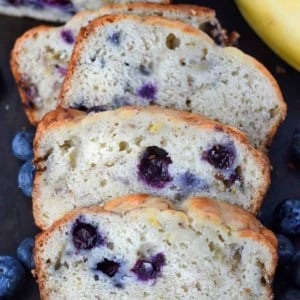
[{"x": 16, "y": 220}]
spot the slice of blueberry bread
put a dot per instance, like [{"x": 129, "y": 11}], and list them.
[
  {"x": 57, "y": 10},
  {"x": 47, "y": 50},
  {"x": 140, "y": 247},
  {"x": 130, "y": 60},
  {"x": 85, "y": 159}
]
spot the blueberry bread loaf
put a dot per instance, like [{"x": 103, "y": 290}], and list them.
[
  {"x": 56, "y": 10},
  {"x": 47, "y": 50},
  {"x": 139, "y": 247},
  {"x": 85, "y": 159},
  {"x": 130, "y": 60}
]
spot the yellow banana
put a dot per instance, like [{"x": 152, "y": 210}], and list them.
[{"x": 277, "y": 22}]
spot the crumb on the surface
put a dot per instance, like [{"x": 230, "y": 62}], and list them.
[
  {"x": 6, "y": 107},
  {"x": 280, "y": 70}
]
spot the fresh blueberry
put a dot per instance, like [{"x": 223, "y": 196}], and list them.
[
  {"x": 22, "y": 145},
  {"x": 287, "y": 217},
  {"x": 68, "y": 36},
  {"x": 86, "y": 236},
  {"x": 147, "y": 91},
  {"x": 153, "y": 168},
  {"x": 25, "y": 253},
  {"x": 220, "y": 156},
  {"x": 108, "y": 267},
  {"x": 115, "y": 38},
  {"x": 290, "y": 294},
  {"x": 149, "y": 269},
  {"x": 25, "y": 178},
  {"x": 12, "y": 276},
  {"x": 285, "y": 250}
]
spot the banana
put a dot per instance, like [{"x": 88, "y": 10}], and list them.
[{"x": 277, "y": 22}]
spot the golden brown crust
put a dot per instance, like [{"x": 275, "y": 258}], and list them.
[
  {"x": 70, "y": 117},
  {"x": 204, "y": 210},
  {"x": 30, "y": 110},
  {"x": 189, "y": 9}
]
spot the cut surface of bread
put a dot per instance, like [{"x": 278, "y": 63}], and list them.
[
  {"x": 47, "y": 50},
  {"x": 87, "y": 159},
  {"x": 58, "y": 10},
  {"x": 131, "y": 60},
  {"x": 140, "y": 247}
]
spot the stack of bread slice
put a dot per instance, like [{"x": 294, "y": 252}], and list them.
[{"x": 145, "y": 107}]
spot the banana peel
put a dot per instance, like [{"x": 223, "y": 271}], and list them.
[{"x": 277, "y": 22}]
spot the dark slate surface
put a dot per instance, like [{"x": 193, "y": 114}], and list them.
[{"x": 15, "y": 209}]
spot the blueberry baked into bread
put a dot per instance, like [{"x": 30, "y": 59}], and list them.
[
  {"x": 85, "y": 159},
  {"x": 40, "y": 57},
  {"x": 56, "y": 10},
  {"x": 132, "y": 60},
  {"x": 140, "y": 247}
]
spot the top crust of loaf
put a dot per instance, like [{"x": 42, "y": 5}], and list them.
[
  {"x": 31, "y": 112},
  {"x": 70, "y": 117},
  {"x": 222, "y": 216},
  {"x": 89, "y": 30}
]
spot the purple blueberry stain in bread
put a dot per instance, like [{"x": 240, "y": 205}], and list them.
[
  {"x": 221, "y": 156},
  {"x": 65, "y": 5},
  {"x": 115, "y": 38},
  {"x": 68, "y": 36},
  {"x": 149, "y": 269},
  {"x": 108, "y": 267},
  {"x": 62, "y": 70},
  {"x": 119, "y": 101},
  {"x": 188, "y": 183},
  {"x": 234, "y": 177},
  {"x": 153, "y": 168},
  {"x": 30, "y": 91},
  {"x": 86, "y": 236},
  {"x": 147, "y": 91}
]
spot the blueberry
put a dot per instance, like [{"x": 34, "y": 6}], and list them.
[
  {"x": 12, "y": 276},
  {"x": 67, "y": 36},
  {"x": 66, "y": 5},
  {"x": 30, "y": 91},
  {"x": 108, "y": 267},
  {"x": 234, "y": 177},
  {"x": 86, "y": 236},
  {"x": 22, "y": 145},
  {"x": 25, "y": 253},
  {"x": 153, "y": 168},
  {"x": 220, "y": 156},
  {"x": 149, "y": 269},
  {"x": 189, "y": 183},
  {"x": 287, "y": 217},
  {"x": 285, "y": 250},
  {"x": 290, "y": 294},
  {"x": 115, "y": 38},
  {"x": 25, "y": 178},
  {"x": 147, "y": 91},
  {"x": 296, "y": 146}
]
